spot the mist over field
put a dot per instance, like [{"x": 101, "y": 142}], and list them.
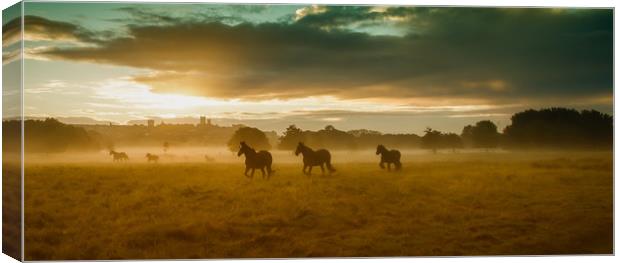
[{"x": 215, "y": 155}]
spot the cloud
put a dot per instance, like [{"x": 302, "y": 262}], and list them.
[
  {"x": 500, "y": 55},
  {"x": 143, "y": 14},
  {"x": 9, "y": 56},
  {"x": 42, "y": 29},
  {"x": 339, "y": 17},
  {"x": 11, "y": 32}
]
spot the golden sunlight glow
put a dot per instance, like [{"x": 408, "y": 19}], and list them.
[
  {"x": 125, "y": 97},
  {"x": 141, "y": 96}
]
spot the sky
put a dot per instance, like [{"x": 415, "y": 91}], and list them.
[{"x": 393, "y": 69}]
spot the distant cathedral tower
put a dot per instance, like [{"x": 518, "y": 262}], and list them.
[
  {"x": 151, "y": 123},
  {"x": 203, "y": 121}
]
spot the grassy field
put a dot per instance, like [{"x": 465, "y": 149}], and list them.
[{"x": 444, "y": 204}]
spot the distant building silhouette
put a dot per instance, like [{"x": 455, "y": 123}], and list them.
[
  {"x": 204, "y": 122},
  {"x": 151, "y": 123}
]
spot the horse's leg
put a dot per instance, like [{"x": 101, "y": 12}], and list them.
[
  {"x": 389, "y": 166},
  {"x": 381, "y": 165},
  {"x": 252, "y": 174},
  {"x": 262, "y": 170},
  {"x": 304, "y": 169},
  {"x": 246, "y": 171},
  {"x": 310, "y": 170},
  {"x": 322, "y": 169}
]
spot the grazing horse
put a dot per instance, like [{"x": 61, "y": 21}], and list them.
[
  {"x": 119, "y": 156},
  {"x": 314, "y": 158},
  {"x": 255, "y": 160},
  {"x": 389, "y": 157},
  {"x": 152, "y": 158}
]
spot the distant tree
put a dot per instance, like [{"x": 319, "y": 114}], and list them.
[
  {"x": 596, "y": 129},
  {"x": 560, "y": 127},
  {"x": 291, "y": 137},
  {"x": 166, "y": 146},
  {"x": 252, "y": 136},
  {"x": 467, "y": 136},
  {"x": 431, "y": 139},
  {"x": 50, "y": 135},
  {"x": 364, "y": 139},
  {"x": 330, "y": 137},
  {"x": 452, "y": 141},
  {"x": 11, "y": 136},
  {"x": 485, "y": 135},
  {"x": 364, "y": 132}
]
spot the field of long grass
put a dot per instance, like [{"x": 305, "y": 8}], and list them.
[{"x": 444, "y": 204}]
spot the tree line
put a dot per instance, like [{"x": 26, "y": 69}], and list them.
[
  {"x": 328, "y": 137},
  {"x": 48, "y": 136},
  {"x": 545, "y": 128}
]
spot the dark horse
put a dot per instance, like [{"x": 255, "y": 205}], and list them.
[
  {"x": 119, "y": 156},
  {"x": 314, "y": 158},
  {"x": 255, "y": 160},
  {"x": 389, "y": 157}
]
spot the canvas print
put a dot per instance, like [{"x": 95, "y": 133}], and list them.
[{"x": 205, "y": 130}]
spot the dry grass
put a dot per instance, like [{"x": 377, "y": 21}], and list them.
[
  {"x": 449, "y": 204},
  {"x": 11, "y": 209}
]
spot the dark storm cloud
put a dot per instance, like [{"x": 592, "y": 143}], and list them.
[{"x": 491, "y": 54}]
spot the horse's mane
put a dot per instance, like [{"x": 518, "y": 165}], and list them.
[
  {"x": 245, "y": 146},
  {"x": 303, "y": 146}
]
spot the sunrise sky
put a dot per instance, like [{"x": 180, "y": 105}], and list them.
[{"x": 391, "y": 69}]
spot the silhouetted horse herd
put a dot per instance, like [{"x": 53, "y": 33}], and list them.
[{"x": 263, "y": 160}]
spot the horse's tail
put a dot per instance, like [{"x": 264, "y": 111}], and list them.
[
  {"x": 328, "y": 163},
  {"x": 269, "y": 161},
  {"x": 397, "y": 162},
  {"x": 330, "y": 167}
]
